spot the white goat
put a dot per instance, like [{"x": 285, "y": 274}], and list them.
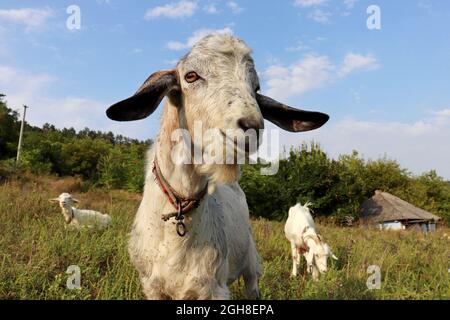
[
  {"x": 215, "y": 84},
  {"x": 80, "y": 218},
  {"x": 300, "y": 230}
]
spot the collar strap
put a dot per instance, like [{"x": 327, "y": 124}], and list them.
[{"x": 183, "y": 205}]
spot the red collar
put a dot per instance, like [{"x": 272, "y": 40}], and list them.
[{"x": 183, "y": 205}]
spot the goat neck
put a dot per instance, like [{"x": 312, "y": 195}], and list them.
[
  {"x": 67, "y": 212},
  {"x": 311, "y": 238},
  {"x": 183, "y": 178}
]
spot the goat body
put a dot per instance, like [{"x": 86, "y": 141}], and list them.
[
  {"x": 301, "y": 232},
  {"x": 80, "y": 218},
  {"x": 217, "y": 249},
  {"x": 87, "y": 218}
]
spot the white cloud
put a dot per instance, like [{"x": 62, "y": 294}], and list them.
[
  {"x": 320, "y": 16},
  {"x": 355, "y": 62},
  {"x": 312, "y": 72},
  {"x": 444, "y": 113},
  {"x": 309, "y": 3},
  {"x": 31, "y": 18},
  {"x": 21, "y": 87},
  {"x": 30, "y": 89},
  {"x": 3, "y": 41},
  {"x": 199, "y": 34},
  {"x": 349, "y": 4},
  {"x": 172, "y": 62},
  {"x": 176, "y": 45},
  {"x": 305, "y": 75},
  {"x": 300, "y": 46},
  {"x": 137, "y": 51},
  {"x": 78, "y": 112},
  {"x": 425, "y": 6},
  {"x": 211, "y": 8},
  {"x": 234, "y": 6},
  {"x": 357, "y": 97},
  {"x": 418, "y": 146},
  {"x": 441, "y": 116},
  {"x": 180, "y": 9}
]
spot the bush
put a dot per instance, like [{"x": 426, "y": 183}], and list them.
[
  {"x": 123, "y": 168},
  {"x": 338, "y": 187}
]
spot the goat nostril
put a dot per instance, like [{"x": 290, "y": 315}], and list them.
[{"x": 246, "y": 124}]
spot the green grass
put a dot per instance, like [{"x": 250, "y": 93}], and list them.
[{"x": 36, "y": 250}]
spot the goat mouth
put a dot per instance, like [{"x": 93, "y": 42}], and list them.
[{"x": 241, "y": 148}]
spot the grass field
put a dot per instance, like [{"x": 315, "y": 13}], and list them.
[{"x": 36, "y": 250}]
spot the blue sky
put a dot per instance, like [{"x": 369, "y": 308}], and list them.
[{"x": 387, "y": 91}]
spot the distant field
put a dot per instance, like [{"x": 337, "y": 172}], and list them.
[{"x": 35, "y": 251}]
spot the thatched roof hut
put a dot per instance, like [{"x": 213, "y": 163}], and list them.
[{"x": 392, "y": 212}]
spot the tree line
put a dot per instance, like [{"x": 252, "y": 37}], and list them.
[
  {"x": 336, "y": 187},
  {"x": 101, "y": 159}
]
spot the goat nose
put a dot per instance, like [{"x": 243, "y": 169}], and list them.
[{"x": 246, "y": 124}]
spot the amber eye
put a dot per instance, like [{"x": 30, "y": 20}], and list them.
[{"x": 191, "y": 76}]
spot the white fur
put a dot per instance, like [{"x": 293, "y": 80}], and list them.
[
  {"x": 218, "y": 247},
  {"x": 300, "y": 230},
  {"x": 80, "y": 218}
]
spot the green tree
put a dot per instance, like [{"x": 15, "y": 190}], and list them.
[{"x": 9, "y": 130}]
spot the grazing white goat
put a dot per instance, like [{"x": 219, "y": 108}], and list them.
[
  {"x": 206, "y": 244},
  {"x": 300, "y": 230},
  {"x": 79, "y": 218}
]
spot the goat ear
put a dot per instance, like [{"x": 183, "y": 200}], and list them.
[
  {"x": 288, "y": 118},
  {"x": 54, "y": 200},
  {"x": 145, "y": 101},
  {"x": 75, "y": 200}
]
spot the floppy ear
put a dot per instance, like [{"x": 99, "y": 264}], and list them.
[
  {"x": 288, "y": 118},
  {"x": 54, "y": 200},
  {"x": 146, "y": 99},
  {"x": 75, "y": 200}
]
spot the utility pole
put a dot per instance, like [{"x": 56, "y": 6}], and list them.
[{"x": 19, "y": 147}]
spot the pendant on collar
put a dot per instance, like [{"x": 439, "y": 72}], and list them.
[
  {"x": 182, "y": 204},
  {"x": 181, "y": 228}
]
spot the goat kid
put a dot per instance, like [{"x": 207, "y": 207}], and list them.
[
  {"x": 301, "y": 232},
  {"x": 80, "y": 218}
]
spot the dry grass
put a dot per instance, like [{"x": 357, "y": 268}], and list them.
[{"x": 35, "y": 252}]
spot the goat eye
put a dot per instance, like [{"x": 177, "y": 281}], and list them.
[{"x": 191, "y": 76}]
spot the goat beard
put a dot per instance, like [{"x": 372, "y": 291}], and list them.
[{"x": 222, "y": 171}]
